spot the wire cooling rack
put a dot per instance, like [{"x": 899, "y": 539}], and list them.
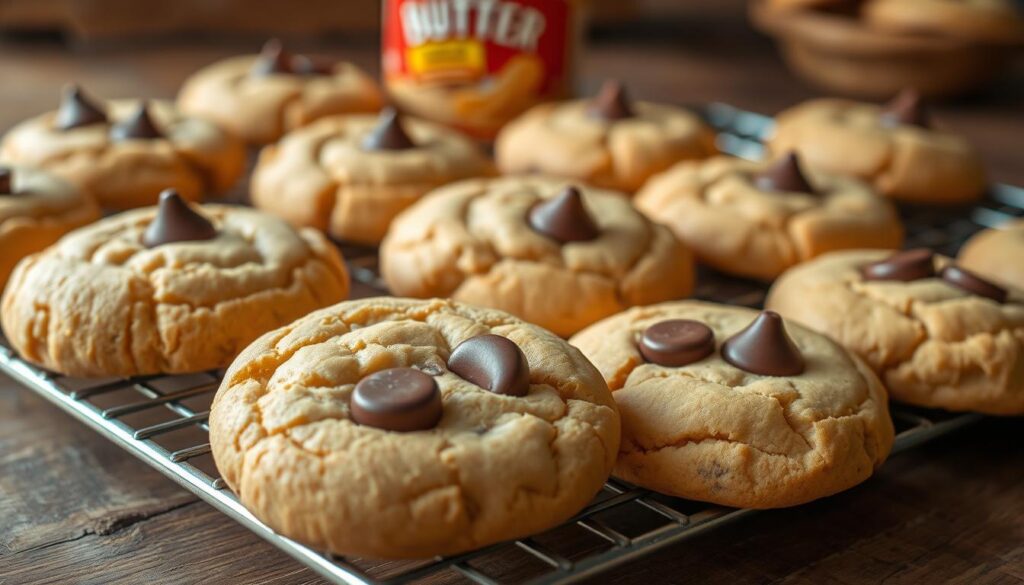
[{"x": 163, "y": 421}]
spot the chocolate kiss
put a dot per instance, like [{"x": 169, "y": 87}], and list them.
[
  {"x": 677, "y": 342},
  {"x": 764, "y": 348},
  {"x": 492, "y": 362},
  {"x": 904, "y": 266},
  {"x": 6, "y": 181},
  {"x": 175, "y": 221},
  {"x": 972, "y": 283},
  {"x": 76, "y": 109},
  {"x": 784, "y": 176},
  {"x": 272, "y": 59},
  {"x": 611, "y": 103},
  {"x": 388, "y": 134},
  {"x": 564, "y": 218},
  {"x": 137, "y": 126},
  {"x": 907, "y": 108},
  {"x": 304, "y": 65},
  {"x": 397, "y": 399}
]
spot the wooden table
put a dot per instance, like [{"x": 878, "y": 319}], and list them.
[{"x": 74, "y": 508}]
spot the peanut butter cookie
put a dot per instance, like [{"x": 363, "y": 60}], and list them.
[{"x": 996, "y": 253}]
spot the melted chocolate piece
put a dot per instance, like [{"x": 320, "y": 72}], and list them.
[
  {"x": 972, "y": 283},
  {"x": 764, "y": 348},
  {"x": 272, "y": 59},
  {"x": 388, "y": 134},
  {"x": 76, "y": 109},
  {"x": 397, "y": 399},
  {"x": 904, "y": 266},
  {"x": 6, "y": 181},
  {"x": 492, "y": 362},
  {"x": 677, "y": 342},
  {"x": 176, "y": 221},
  {"x": 612, "y": 102},
  {"x": 784, "y": 176},
  {"x": 564, "y": 218},
  {"x": 907, "y": 109},
  {"x": 138, "y": 126}
]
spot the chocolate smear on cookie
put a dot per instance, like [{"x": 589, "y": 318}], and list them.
[
  {"x": 906, "y": 109},
  {"x": 492, "y": 362},
  {"x": 272, "y": 59},
  {"x": 972, "y": 283},
  {"x": 904, "y": 266},
  {"x": 388, "y": 134},
  {"x": 76, "y": 109},
  {"x": 676, "y": 342},
  {"x": 397, "y": 399},
  {"x": 176, "y": 221},
  {"x": 138, "y": 126},
  {"x": 764, "y": 348},
  {"x": 611, "y": 103},
  {"x": 784, "y": 176},
  {"x": 6, "y": 181},
  {"x": 564, "y": 218}
]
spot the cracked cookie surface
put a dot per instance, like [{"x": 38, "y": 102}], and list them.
[
  {"x": 716, "y": 209},
  {"x": 321, "y": 176},
  {"x": 905, "y": 162},
  {"x": 996, "y": 253},
  {"x": 99, "y": 303},
  {"x": 709, "y": 431},
  {"x": 472, "y": 241},
  {"x": 193, "y": 156},
  {"x": 931, "y": 343},
  {"x": 495, "y": 467}
]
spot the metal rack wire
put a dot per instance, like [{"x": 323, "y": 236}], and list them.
[{"x": 162, "y": 420}]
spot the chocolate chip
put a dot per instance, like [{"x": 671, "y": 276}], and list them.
[
  {"x": 492, "y": 362},
  {"x": 388, "y": 134},
  {"x": 972, "y": 283},
  {"x": 764, "y": 348},
  {"x": 176, "y": 221},
  {"x": 677, "y": 342},
  {"x": 907, "y": 108},
  {"x": 397, "y": 399},
  {"x": 904, "y": 266},
  {"x": 138, "y": 126},
  {"x": 564, "y": 218},
  {"x": 612, "y": 102},
  {"x": 76, "y": 109},
  {"x": 784, "y": 176},
  {"x": 6, "y": 181},
  {"x": 273, "y": 59}
]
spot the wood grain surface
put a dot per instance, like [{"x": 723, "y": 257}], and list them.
[{"x": 76, "y": 509}]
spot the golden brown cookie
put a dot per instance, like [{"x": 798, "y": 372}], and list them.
[
  {"x": 973, "y": 20},
  {"x": 723, "y": 404},
  {"x": 894, "y": 148},
  {"x": 36, "y": 208},
  {"x": 261, "y": 97},
  {"x": 756, "y": 219},
  {"x": 556, "y": 255},
  {"x": 166, "y": 291},
  {"x": 608, "y": 141},
  {"x": 395, "y": 428},
  {"x": 351, "y": 175},
  {"x": 937, "y": 335},
  {"x": 124, "y": 152},
  {"x": 996, "y": 254}
]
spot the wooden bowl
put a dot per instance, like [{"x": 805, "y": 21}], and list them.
[{"x": 841, "y": 54}]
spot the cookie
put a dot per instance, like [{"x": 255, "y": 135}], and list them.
[
  {"x": 995, "y": 254},
  {"x": 261, "y": 97},
  {"x": 555, "y": 254},
  {"x": 351, "y": 175},
  {"x": 395, "y": 428},
  {"x": 172, "y": 289},
  {"x": 727, "y": 405},
  {"x": 609, "y": 141},
  {"x": 937, "y": 335},
  {"x": 993, "y": 21},
  {"x": 124, "y": 153},
  {"x": 36, "y": 208},
  {"x": 756, "y": 219},
  {"x": 894, "y": 148}
]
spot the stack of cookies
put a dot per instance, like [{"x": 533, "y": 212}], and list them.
[{"x": 539, "y": 340}]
